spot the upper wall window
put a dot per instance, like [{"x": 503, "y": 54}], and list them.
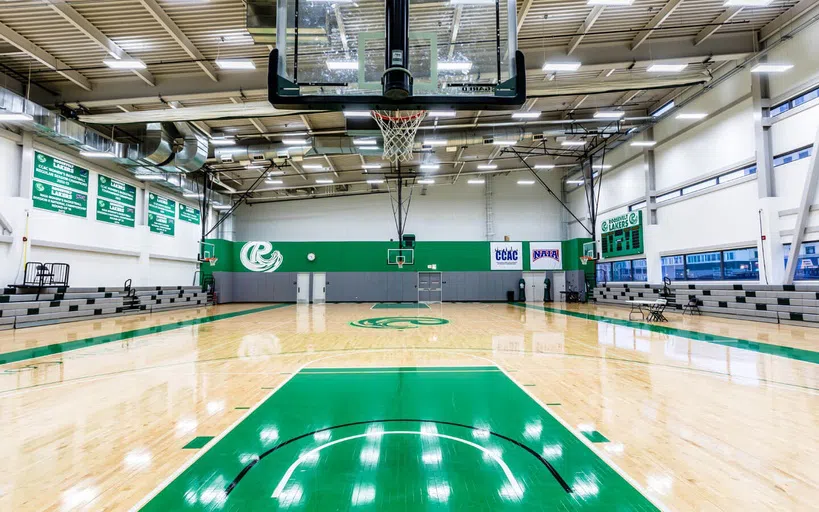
[
  {"x": 807, "y": 263},
  {"x": 795, "y": 102},
  {"x": 797, "y": 154}
]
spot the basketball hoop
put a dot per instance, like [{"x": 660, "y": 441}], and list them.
[
  {"x": 398, "y": 129},
  {"x": 400, "y": 260},
  {"x": 585, "y": 260},
  {"x": 212, "y": 261}
]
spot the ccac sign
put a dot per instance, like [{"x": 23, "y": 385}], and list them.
[
  {"x": 260, "y": 257},
  {"x": 506, "y": 256},
  {"x": 545, "y": 256}
]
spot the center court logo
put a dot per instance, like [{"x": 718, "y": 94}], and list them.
[
  {"x": 260, "y": 257},
  {"x": 399, "y": 322}
]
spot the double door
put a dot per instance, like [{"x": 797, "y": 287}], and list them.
[
  {"x": 311, "y": 287},
  {"x": 430, "y": 287}
]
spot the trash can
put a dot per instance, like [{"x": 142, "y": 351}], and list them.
[{"x": 510, "y": 296}]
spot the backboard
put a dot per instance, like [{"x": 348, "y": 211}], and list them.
[{"x": 343, "y": 55}]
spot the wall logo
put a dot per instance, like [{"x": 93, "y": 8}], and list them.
[
  {"x": 41, "y": 158},
  {"x": 260, "y": 257},
  {"x": 399, "y": 322},
  {"x": 553, "y": 254},
  {"x": 545, "y": 256},
  {"x": 506, "y": 256}
]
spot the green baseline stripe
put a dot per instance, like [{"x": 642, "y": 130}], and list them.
[
  {"x": 403, "y": 369},
  {"x": 754, "y": 346},
  {"x": 59, "y": 348}
]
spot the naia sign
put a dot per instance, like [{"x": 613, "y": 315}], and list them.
[
  {"x": 545, "y": 256},
  {"x": 506, "y": 255}
]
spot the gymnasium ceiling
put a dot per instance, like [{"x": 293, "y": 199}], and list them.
[{"x": 59, "y": 45}]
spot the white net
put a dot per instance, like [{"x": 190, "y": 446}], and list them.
[{"x": 398, "y": 129}]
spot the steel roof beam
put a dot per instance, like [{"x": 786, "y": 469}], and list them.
[
  {"x": 786, "y": 18},
  {"x": 655, "y": 22},
  {"x": 62, "y": 8},
  {"x": 712, "y": 27},
  {"x": 176, "y": 33},
  {"x": 585, "y": 27},
  {"x": 42, "y": 56}
]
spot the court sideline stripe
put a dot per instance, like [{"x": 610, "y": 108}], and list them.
[
  {"x": 59, "y": 348},
  {"x": 797, "y": 354}
]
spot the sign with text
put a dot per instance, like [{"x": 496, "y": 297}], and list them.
[
  {"x": 59, "y": 199},
  {"x": 506, "y": 255},
  {"x": 116, "y": 190},
  {"x": 188, "y": 214},
  {"x": 545, "y": 256},
  {"x": 161, "y": 224},
  {"x": 59, "y": 172},
  {"x": 161, "y": 205},
  {"x": 628, "y": 220},
  {"x": 115, "y": 213}
]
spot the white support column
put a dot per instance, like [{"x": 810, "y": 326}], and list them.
[
  {"x": 651, "y": 228},
  {"x": 762, "y": 135},
  {"x": 26, "y": 165},
  {"x": 808, "y": 195}
]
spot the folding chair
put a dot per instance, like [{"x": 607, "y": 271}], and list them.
[
  {"x": 693, "y": 305},
  {"x": 656, "y": 311}
]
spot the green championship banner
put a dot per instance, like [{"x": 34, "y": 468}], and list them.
[
  {"x": 59, "y": 199},
  {"x": 188, "y": 214},
  {"x": 161, "y": 224},
  {"x": 59, "y": 186},
  {"x": 116, "y": 190},
  {"x": 115, "y": 213},
  {"x": 161, "y": 205},
  {"x": 59, "y": 172}
]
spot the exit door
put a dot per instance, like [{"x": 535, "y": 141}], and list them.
[
  {"x": 559, "y": 285},
  {"x": 303, "y": 288},
  {"x": 534, "y": 286},
  {"x": 430, "y": 287},
  {"x": 319, "y": 287}
]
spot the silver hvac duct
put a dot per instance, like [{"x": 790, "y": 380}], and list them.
[
  {"x": 194, "y": 152},
  {"x": 155, "y": 148}
]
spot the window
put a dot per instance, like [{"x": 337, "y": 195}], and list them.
[
  {"x": 626, "y": 270},
  {"x": 638, "y": 206},
  {"x": 671, "y": 195},
  {"x": 735, "y": 175},
  {"x": 807, "y": 264},
  {"x": 799, "y": 100},
  {"x": 793, "y": 156},
  {"x": 741, "y": 264},
  {"x": 699, "y": 186},
  {"x": 729, "y": 265},
  {"x": 702, "y": 185}
]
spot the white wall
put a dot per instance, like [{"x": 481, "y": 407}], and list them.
[
  {"x": 100, "y": 254},
  {"x": 445, "y": 212}
]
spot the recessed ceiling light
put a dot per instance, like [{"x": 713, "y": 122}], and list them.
[
  {"x": 610, "y": 2},
  {"x": 504, "y": 142},
  {"x": 525, "y": 115},
  {"x": 222, "y": 207},
  {"x": 605, "y": 114},
  {"x": 693, "y": 115},
  {"x": 666, "y": 68},
  {"x": 13, "y": 116},
  {"x": 476, "y": 182},
  {"x": 430, "y": 167},
  {"x": 434, "y": 142},
  {"x": 573, "y": 143},
  {"x": 526, "y": 182},
  {"x": 575, "y": 182},
  {"x": 357, "y": 113},
  {"x": 323, "y": 181},
  {"x": 561, "y": 66},
  {"x": 274, "y": 182},
  {"x": 601, "y": 166},
  {"x": 747, "y": 3},
  {"x": 371, "y": 166},
  {"x": 335, "y": 65},
  {"x": 244, "y": 64},
  {"x": 487, "y": 167},
  {"x": 426, "y": 182},
  {"x": 441, "y": 113},
  {"x": 96, "y": 154},
  {"x": 149, "y": 177},
  {"x": 294, "y": 142},
  {"x": 365, "y": 142},
  {"x": 375, "y": 182},
  {"x": 455, "y": 66},
  {"x": 771, "y": 68},
  {"x": 314, "y": 167},
  {"x": 544, "y": 166},
  {"x": 644, "y": 143},
  {"x": 124, "y": 63}
]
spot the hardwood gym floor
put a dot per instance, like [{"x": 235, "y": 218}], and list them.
[{"x": 465, "y": 407}]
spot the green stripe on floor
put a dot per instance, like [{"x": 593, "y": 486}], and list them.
[
  {"x": 798, "y": 354},
  {"x": 400, "y": 305},
  {"x": 59, "y": 348}
]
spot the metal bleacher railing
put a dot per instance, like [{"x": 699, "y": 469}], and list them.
[{"x": 45, "y": 275}]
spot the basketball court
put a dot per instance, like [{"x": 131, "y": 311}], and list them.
[{"x": 409, "y": 255}]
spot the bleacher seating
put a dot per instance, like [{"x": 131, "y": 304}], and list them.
[
  {"x": 18, "y": 308},
  {"x": 787, "y": 304}
]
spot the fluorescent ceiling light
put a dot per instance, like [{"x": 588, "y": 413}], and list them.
[
  {"x": 13, "y": 116},
  {"x": 274, "y": 182},
  {"x": 747, "y": 3},
  {"x": 294, "y": 142},
  {"x": 666, "y": 68},
  {"x": 124, "y": 63},
  {"x": 526, "y": 182},
  {"x": 544, "y": 166},
  {"x": 222, "y": 207},
  {"x": 324, "y": 181},
  {"x": 357, "y": 113},
  {"x": 426, "y": 182},
  {"x": 365, "y": 142},
  {"x": 430, "y": 167},
  {"x": 336, "y": 65},
  {"x": 573, "y": 143},
  {"x": 235, "y": 64},
  {"x": 313, "y": 166},
  {"x": 601, "y": 166},
  {"x": 644, "y": 143},
  {"x": 771, "y": 68},
  {"x": 604, "y": 114},
  {"x": 476, "y": 182},
  {"x": 575, "y": 182},
  {"x": 96, "y": 154},
  {"x": 223, "y": 142},
  {"x": 363, "y": 148},
  {"x": 693, "y": 115},
  {"x": 375, "y": 182},
  {"x": 561, "y": 66},
  {"x": 455, "y": 66},
  {"x": 472, "y": 2},
  {"x": 610, "y": 2},
  {"x": 149, "y": 177},
  {"x": 662, "y": 110},
  {"x": 487, "y": 167},
  {"x": 525, "y": 115},
  {"x": 275, "y": 173},
  {"x": 504, "y": 142},
  {"x": 191, "y": 195},
  {"x": 441, "y": 113},
  {"x": 371, "y": 166},
  {"x": 435, "y": 142}
]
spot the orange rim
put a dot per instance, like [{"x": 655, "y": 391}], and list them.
[{"x": 399, "y": 118}]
